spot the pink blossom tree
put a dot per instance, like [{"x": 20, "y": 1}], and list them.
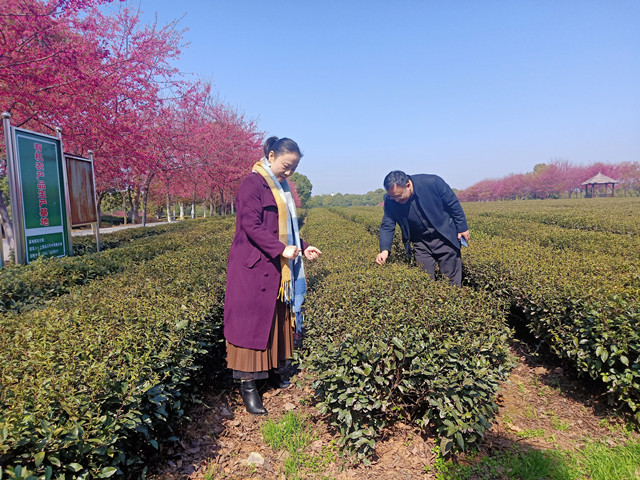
[{"x": 554, "y": 180}]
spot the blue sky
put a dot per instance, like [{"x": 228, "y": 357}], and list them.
[{"x": 464, "y": 89}]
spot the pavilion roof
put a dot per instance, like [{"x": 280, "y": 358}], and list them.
[{"x": 599, "y": 178}]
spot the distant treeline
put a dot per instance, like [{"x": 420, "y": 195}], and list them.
[
  {"x": 558, "y": 179},
  {"x": 346, "y": 199}
]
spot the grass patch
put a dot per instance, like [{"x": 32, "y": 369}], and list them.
[
  {"x": 515, "y": 464},
  {"x": 603, "y": 462},
  {"x": 558, "y": 423},
  {"x": 596, "y": 461},
  {"x": 294, "y": 434},
  {"x": 531, "y": 433}
]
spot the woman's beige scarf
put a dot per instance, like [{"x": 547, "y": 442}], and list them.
[{"x": 283, "y": 232}]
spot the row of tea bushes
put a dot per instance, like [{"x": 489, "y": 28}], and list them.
[
  {"x": 597, "y": 244},
  {"x": 92, "y": 382},
  {"x": 578, "y": 289},
  {"x": 610, "y": 215},
  {"x": 586, "y": 307},
  {"x": 369, "y": 218},
  {"x": 83, "y": 244},
  {"x": 27, "y": 286},
  {"x": 385, "y": 343}
]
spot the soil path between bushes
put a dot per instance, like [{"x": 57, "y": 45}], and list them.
[{"x": 541, "y": 406}]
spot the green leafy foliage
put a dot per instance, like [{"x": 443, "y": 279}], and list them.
[
  {"x": 93, "y": 381},
  {"x": 386, "y": 343},
  {"x": 571, "y": 269},
  {"x": 576, "y": 283},
  {"x": 28, "y": 286}
]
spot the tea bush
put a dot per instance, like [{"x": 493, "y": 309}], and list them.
[
  {"x": 28, "y": 286},
  {"x": 94, "y": 380},
  {"x": 83, "y": 244},
  {"x": 608, "y": 215},
  {"x": 585, "y": 306},
  {"x": 571, "y": 267},
  {"x": 386, "y": 343}
]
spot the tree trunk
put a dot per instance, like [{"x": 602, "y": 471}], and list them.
[
  {"x": 181, "y": 210},
  {"x": 7, "y": 225},
  {"x": 169, "y": 219},
  {"x": 135, "y": 206},
  {"x": 145, "y": 195},
  {"x": 211, "y": 207},
  {"x": 124, "y": 206},
  {"x": 223, "y": 209}
]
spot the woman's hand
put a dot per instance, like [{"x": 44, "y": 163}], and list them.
[
  {"x": 311, "y": 253},
  {"x": 290, "y": 252}
]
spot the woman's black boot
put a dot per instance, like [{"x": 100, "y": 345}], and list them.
[{"x": 251, "y": 398}]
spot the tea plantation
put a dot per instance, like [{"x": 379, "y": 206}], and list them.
[
  {"x": 571, "y": 268},
  {"x": 100, "y": 354}
]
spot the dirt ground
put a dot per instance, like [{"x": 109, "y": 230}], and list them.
[{"x": 541, "y": 406}]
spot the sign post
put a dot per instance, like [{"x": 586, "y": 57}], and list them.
[
  {"x": 14, "y": 189},
  {"x": 1, "y": 245}
]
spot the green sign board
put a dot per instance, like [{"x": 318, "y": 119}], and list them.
[{"x": 40, "y": 163}]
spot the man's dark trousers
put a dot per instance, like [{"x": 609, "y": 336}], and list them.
[{"x": 437, "y": 251}]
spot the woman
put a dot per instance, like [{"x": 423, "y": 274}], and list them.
[{"x": 265, "y": 274}]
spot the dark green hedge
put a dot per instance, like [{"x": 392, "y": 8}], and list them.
[
  {"x": 572, "y": 268},
  {"x": 386, "y": 343},
  {"x": 585, "y": 306},
  {"x": 96, "y": 378},
  {"x": 83, "y": 244},
  {"x": 27, "y": 286}
]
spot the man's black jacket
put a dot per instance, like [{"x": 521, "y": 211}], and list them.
[{"x": 437, "y": 201}]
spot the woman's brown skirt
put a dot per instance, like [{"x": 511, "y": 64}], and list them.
[{"x": 279, "y": 348}]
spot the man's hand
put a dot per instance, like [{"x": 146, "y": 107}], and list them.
[
  {"x": 464, "y": 234},
  {"x": 382, "y": 257}
]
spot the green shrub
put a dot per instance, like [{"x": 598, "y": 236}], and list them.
[
  {"x": 571, "y": 268},
  {"x": 83, "y": 244},
  {"x": 28, "y": 286},
  {"x": 95, "y": 380},
  {"x": 579, "y": 290},
  {"x": 387, "y": 343}
]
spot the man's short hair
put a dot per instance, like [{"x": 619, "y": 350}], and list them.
[{"x": 395, "y": 178}]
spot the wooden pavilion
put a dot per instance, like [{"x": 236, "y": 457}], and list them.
[{"x": 597, "y": 180}]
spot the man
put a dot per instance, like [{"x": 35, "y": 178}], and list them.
[{"x": 430, "y": 216}]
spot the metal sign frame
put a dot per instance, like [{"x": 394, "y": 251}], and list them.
[
  {"x": 35, "y": 236},
  {"x": 78, "y": 189}
]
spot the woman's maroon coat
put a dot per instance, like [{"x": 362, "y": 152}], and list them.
[{"x": 253, "y": 269}]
